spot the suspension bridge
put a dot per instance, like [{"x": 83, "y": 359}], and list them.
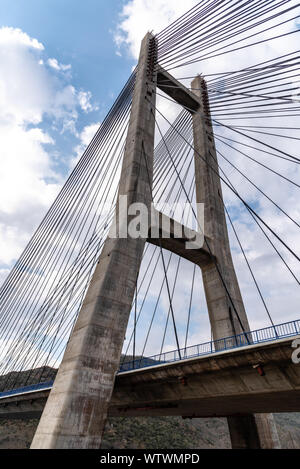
[{"x": 93, "y": 325}]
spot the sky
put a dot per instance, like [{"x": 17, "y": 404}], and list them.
[{"x": 62, "y": 64}]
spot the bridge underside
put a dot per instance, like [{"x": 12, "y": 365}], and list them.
[{"x": 228, "y": 383}]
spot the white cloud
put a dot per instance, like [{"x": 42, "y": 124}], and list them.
[
  {"x": 84, "y": 98},
  {"x": 57, "y": 66},
  {"x": 140, "y": 16},
  {"x": 25, "y": 193},
  {"x": 85, "y": 137},
  {"x": 15, "y": 36},
  {"x": 88, "y": 133},
  {"x": 29, "y": 176}
]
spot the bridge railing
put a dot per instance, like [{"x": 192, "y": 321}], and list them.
[
  {"x": 27, "y": 389},
  {"x": 265, "y": 334}
]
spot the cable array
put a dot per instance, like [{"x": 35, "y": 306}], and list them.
[
  {"x": 40, "y": 299},
  {"x": 212, "y": 28}
]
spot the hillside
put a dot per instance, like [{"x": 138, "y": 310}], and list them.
[{"x": 156, "y": 433}]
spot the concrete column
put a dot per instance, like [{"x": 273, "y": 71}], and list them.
[
  {"x": 223, "y": 318},
  {"x": 254, "y": 430},
  {"x": 243, "y": 432},
  {"x": 267, "y": 431},
  {"x": 76, "y": 410}
]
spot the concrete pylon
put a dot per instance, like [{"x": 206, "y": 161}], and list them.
[
  {"x": 76, "y": 410},
  {"x": 224, "y": 301}
]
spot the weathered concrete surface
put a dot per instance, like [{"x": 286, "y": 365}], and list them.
[
  {"x": 164, "y": 231},
  {"x": 76, "y": 410},
  {"x": 176, "y": 90},
  {"x": 243, "y": 432},
  {"x": 253, "y": 431},
  {"x": 225, "y": 384},
  {"x": 267, "y": 431}
]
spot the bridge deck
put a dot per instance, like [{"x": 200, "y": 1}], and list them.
[
  {"x": 249, "y": 339},
  {"x": 219, "y": 383}
]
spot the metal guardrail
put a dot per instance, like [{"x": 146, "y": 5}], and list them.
[
  {"x": 258, "y": 336},
  {"x": 27, "y": 389},
  {"x": 267, "y": 334}
]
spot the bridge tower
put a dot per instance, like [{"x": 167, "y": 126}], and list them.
[{"x": 76, "y": 410}]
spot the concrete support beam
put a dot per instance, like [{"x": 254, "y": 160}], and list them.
[
  {"x": 176, "y": 90},
  {"x": 173, "y": 236},
  {"x": 76, "y": 410}
]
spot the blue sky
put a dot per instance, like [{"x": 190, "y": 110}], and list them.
[
  {"x": 80, "y": 34},
  {"x": 75, "y": 32}
]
